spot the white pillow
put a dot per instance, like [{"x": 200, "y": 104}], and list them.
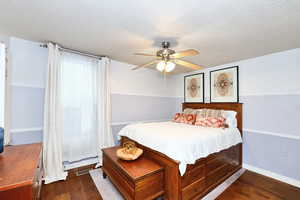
[{"x": 230, "y": 118}]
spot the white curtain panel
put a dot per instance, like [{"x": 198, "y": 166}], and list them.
[
  {"x": 79, "y": 99},
  {"x": 104, "y": 132},
  {"x": 85, "y": 97},
  {"x": 77, "y": 111},
  {"x": 53, "y": 115}
]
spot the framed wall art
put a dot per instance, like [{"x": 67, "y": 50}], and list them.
[
  {"x": 194, "y": 88},
  {"x": 224, "y": 85}
]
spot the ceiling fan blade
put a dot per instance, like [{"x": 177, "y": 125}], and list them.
[
  {"x": 146, "y": 64},
  {"x": 143, "y": 54},
  {"x": 188, "y": 64},
  {"x": 189, "y": 52}
]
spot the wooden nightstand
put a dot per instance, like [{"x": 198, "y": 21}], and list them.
[{"x": 21, "y": 172}]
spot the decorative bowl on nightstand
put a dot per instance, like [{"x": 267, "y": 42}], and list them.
[{"x": 129, "y": 151}]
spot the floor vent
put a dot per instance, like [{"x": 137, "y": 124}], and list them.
[{"x": 82, "y": 172}]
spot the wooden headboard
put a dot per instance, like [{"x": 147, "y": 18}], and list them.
[{"x": 237, "y": 107}]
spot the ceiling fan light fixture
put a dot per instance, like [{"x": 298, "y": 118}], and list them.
[
  {"x": 161, "y": 66},
  {"x": 167, "y": 59},
  {"x": 170, "y": 66}
]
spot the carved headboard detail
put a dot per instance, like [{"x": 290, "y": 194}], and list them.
[{"x": 237, "y": 107}]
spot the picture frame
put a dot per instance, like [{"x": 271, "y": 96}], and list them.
[
  {"x": 224, "y": 85},
  {"x": 194, "y": 88}
]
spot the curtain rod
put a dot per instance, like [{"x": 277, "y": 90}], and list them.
[{"x": 75, "y": 51}]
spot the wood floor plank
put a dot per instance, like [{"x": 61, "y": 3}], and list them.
[
  {"x": 89, "y": 188},
  {"x": 250, "y": 186},
  {"x": 243, "y": 191},
  {"x": 278, "y": 188},
  {"x": 255, "y": 186},
  {"x": 75, "y": 188},
  {"x": 65, "y": 196}
]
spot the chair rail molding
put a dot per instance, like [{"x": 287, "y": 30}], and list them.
[
  {"x": 135, "y": 122},
  {"x": 27, "y": 85},
  {"x": 295, "y": 137},
  {"x": 32, "y": 129}
]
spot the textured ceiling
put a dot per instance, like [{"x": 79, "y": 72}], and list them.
[{"x": 223, "y": 31}]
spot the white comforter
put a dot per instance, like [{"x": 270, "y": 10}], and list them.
[{"x": 182, "y": 142}]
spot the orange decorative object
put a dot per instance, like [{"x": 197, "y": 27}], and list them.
[{"x": 129, "y": 151}]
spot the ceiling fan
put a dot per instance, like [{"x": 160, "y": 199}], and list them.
[{"x": 166, "y": 59}]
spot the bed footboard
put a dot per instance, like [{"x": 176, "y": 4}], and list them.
[{"x": 199, "y": 178}]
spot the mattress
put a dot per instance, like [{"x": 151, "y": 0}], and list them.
[{"x": 182, "y": 142}]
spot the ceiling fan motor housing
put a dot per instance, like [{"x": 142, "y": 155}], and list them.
[
  {"x": 165, "y": 52},
  {"x": 165, "y": 45}
]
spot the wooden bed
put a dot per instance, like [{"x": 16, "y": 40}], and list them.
[{"x": 207, "y": 173}]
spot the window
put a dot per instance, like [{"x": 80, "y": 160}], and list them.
[{"x": 79, "y": 103}]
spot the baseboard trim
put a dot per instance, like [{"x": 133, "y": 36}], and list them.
[
  {"x": 270, "y": 174},
  {"x": 85, "y": 162}
]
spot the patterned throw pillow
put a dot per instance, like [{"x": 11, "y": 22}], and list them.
[
  {"x": 177, "y": 118},
  {"x": 189, "y": 118},
  {"x": 184, "y": 118},
  {"x": 212, "y": 122}
]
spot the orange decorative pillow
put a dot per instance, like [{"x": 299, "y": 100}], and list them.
[
  {"x": 189, "y": 118},
  {"x": 177, "y": 118},
  {"x": 184, "y": 118},
  {"x": 213, "y": 122}
]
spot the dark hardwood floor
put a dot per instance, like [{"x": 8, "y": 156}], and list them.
[
  {"x": 258, "y": 187},
  {"x": 75, "y": 188},
  {"x": 250, "y": 186}
]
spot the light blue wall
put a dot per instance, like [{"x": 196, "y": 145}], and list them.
[
  {"x": 273, "y": 153},
  {"x": 125, "y": 109},
  {"x": 274, "y": 114},
  {"x": 132, "y": 108},
  {"x": 27, "y": 107},
  {"x": 26, "y": 137}
]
